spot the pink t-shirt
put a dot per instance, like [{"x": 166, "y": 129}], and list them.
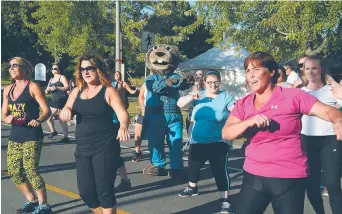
[{"x": 276, "y": 151}]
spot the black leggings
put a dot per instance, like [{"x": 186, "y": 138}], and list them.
[
  {"x": 324, "y": 152},
  {"x": 95, "y": 178},
  {"x": 217, "y": 154},
  {"x": 286, "y": 195}
]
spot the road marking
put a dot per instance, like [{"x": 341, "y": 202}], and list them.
[{"x": 64, "y": 192}]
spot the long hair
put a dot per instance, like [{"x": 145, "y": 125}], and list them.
[
  {"x": 266, "y": 60},
  {"x": 324, "y": 72},
  {"x": 101, "y": 70},
  {"x": 25, "y": 65}
]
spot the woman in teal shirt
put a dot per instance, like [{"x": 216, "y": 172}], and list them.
[{"x": 211, "y": 110}]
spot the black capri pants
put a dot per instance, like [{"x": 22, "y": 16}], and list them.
[
  {"x": 257, "y": 192},
  {"x": 96, "y": 176},
  {"x": 217, "y": 154}
]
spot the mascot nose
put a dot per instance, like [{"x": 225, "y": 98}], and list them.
[{"x": 160, "y": 54}]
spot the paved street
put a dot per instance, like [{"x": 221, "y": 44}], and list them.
[{"x": 148, "y": 194}]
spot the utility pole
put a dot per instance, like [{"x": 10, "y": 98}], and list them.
[{"x": 117, "y": 36}]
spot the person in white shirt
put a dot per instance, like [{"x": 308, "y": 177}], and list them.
[
  {"x": 319, "y": 140},
  {"x": 292, "y": 75}
]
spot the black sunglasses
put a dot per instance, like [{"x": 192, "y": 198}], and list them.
[
  {"x": 54, "y": 68},
  {"x": 300, "y": 65},
  {"x": 89, "y": 68},
  {"x": 13, "y": 66}
]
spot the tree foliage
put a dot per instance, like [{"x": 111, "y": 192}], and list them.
[{"x": 283, "y": 28}]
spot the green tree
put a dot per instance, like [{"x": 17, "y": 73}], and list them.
[{"x": 285, "y": 29}]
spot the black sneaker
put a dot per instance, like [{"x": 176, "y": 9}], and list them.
[
  {"x": 189, "y": 191},
  {"x": 136, "y": 156},
  {"x": 226, "y": 208},
  {"x": 123, "y": 186},
  {"x": 52, "y": 134},
  {"x": 28, "y": 207},
  {"x": 43, "y": 209},
  {"x": 64, "y": 140}
]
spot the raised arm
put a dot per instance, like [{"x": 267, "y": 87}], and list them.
[
  {"x": 128, "y": 88},
  {"x": 114, "y": 100},
  {"x": 186, "y": 101},
  {"x": 330, "y": 114}
]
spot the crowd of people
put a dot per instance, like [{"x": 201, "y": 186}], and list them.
[{"x": 291, "y": 120}]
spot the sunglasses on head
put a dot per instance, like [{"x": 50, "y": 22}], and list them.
[
  {"x": 301, "y": 65},
  {"x": 89, "y": 68},
  {"x": 13, "y": 66}
]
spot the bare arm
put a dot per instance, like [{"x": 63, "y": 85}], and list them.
[
  {"x": 234, "y": 127},
  {"x": 330, "y": 114},
  {"x": 128, "y": 88},
  {"x": 114, "y": 100},
  {"x": 38, "y": 95},
  {"x": 65, "y": 82},
  {"x": 66, "y": 113},
  {"x": 4, "y": 111},
  {"x": 142, "y": 98},
  {"x": 185, "y": 101}
]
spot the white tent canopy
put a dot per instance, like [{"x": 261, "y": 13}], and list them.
[{"x": 228, "y": 61}]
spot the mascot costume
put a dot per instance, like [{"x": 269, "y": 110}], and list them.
[{"x": 163, "y": 117}]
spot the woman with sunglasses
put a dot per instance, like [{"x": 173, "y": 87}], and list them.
[
  {"x": 122, "y": 86},
  {"x": 319, "y": 139},
  {"x": 20, "y": 109},
  {"x": 58, "y": 87},
  {"x": 211, "y": 110},
  {"x": 98, "y": 149},
  {"x": 275, "y": 168}
]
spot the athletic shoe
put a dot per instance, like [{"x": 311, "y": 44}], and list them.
[
  {"x": 28, "y": 207},
  {"x": 64, "y": 140},
  {"x": 154, "y": 170},
  {"x": 189, "y": 191},
  {"x": 225, "y": 208},
  {"x": 325, "y": 192},
  {"x": 136, "y": 156},
  {"x": 43, "y": 209},
  {"x": 123, "y": 186},
  {"x": 52, "y": 134}
]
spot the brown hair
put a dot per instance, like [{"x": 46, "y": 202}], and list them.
[
  {"x": 25, "y": 65},
  {"x": 265, "y": 60},
  {"x": 324, "y": 72},
  {"x": 301, "y": 57},
  {"x": 101, "y": 71},
  {"x": 59, "y": 67},
  {"x": 213, "y": 73},
  {"x": 282, "y": 73}
]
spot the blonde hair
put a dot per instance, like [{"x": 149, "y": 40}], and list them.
[
  {"x": 25, "y": 65},
  {"x": 101, "y": 71},
  {"x": 324, "y": 72}
]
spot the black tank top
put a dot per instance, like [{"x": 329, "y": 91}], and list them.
[
  {"x": 24, "y": 109},
  {"x": 58, "y": 94},
  {"x": 95, "y": 131}
]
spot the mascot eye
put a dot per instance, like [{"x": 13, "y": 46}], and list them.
[
  {"x": 155, "y": 47},
  {"x": 168, "y": 48}
]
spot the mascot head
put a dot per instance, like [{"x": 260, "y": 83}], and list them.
[{"x": 162, "y": 59}]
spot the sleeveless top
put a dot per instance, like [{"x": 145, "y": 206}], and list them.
[
  {"x": 58, "y": 94},
  {"x": 95, "y": 131},
  {"x": 24, "y": 109}
]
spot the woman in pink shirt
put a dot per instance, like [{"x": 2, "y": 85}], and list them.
[{"x": 275, "y": 169}]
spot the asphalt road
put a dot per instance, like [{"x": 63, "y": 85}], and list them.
[{"x": 148, "y": 194}]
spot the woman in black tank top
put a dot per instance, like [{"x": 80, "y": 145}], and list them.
[
  {"x": 94, "y": 102},
  {"x": 57, "y": 87},
  {"x": 21, "y": 102}
]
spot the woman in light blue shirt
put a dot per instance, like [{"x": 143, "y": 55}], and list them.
[{"x": 211, "y": 110}]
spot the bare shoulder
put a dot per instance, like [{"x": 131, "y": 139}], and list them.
[
  {"x": 6, "y": 89},
  {"x": 74, "y": 92},
  {"x": 34, "y": 86}
]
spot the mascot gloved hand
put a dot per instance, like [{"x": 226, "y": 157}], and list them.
[{"x": 163, "y": 117}]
